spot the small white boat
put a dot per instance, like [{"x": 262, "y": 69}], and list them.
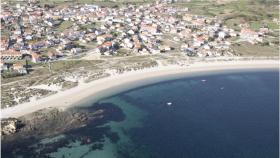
[
  {"x": 203, "y": 80},
  {"x": 169, "y": 103}
]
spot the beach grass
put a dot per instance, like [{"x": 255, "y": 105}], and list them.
[{"x": 247, "y": 49}]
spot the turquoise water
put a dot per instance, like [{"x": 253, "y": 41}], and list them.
[
  {"x": 231, "y": 115},
  {"x": 133, "y": 115}
]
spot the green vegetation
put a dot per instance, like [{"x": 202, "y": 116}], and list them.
[
  {"x": 234, "y": 12},
  {"x": 247, "y": 49},
  {"x": 123, "y": 52},
  {"x": 41, "y": 70},
  {"x": 16, "y": 87},
  {"x": 64, "y": 25},
  {"x": 88, "y": 26},
  {"x": 67, "y": 85},
  {"x": 71, "y": 65},
  {"x": 10, "y": 74}
]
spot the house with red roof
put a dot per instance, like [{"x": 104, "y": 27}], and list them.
[
  {"x": 152, "y": 29},
  {"x": 249, "y": 35}
]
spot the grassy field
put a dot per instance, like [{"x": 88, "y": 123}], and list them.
[
  {"x": 234, "y": 12},
  {"x": 247, "y": 49},
  {"x": 64, "y": 25},
  {"x": 41, "y": 70}
]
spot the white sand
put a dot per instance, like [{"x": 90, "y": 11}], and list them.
[{"x": 93, "y": 91}]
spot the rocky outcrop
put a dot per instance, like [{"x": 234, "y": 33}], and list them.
[
  {"x": 10, "y": 126},
  {"x": 47, "y": 122},
  {"x": 82, "y": 124}
]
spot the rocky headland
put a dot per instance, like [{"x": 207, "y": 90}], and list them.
[{"x": 20, "y": 134}]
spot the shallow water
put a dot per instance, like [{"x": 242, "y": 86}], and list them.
[{"x": 227, "y": 115}]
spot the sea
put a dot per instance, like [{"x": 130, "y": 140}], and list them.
[{"x": 225, "y": 115}]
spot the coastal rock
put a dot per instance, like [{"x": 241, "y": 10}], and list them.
[
  {"x": 46, "y": 122},
  {"x": 10, "y": 126},
  {"x": 73, "y": 124}
]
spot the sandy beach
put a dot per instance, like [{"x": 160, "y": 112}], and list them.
[{"x": 96, "y": 90}]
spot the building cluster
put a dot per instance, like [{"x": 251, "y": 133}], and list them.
[{"x": 47, "y": 33}]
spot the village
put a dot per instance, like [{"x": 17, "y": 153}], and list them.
[
  {"x": 46, "y": 49},
  {"x": 41, "y": 34}
]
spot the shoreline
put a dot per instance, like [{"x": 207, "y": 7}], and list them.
[{"x": 86, "y": 93}]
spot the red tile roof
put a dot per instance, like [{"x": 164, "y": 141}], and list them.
[{"x": 107, "y": 44}]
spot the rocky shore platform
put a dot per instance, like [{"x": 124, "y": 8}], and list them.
[{"x": 22, "y": 136}]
